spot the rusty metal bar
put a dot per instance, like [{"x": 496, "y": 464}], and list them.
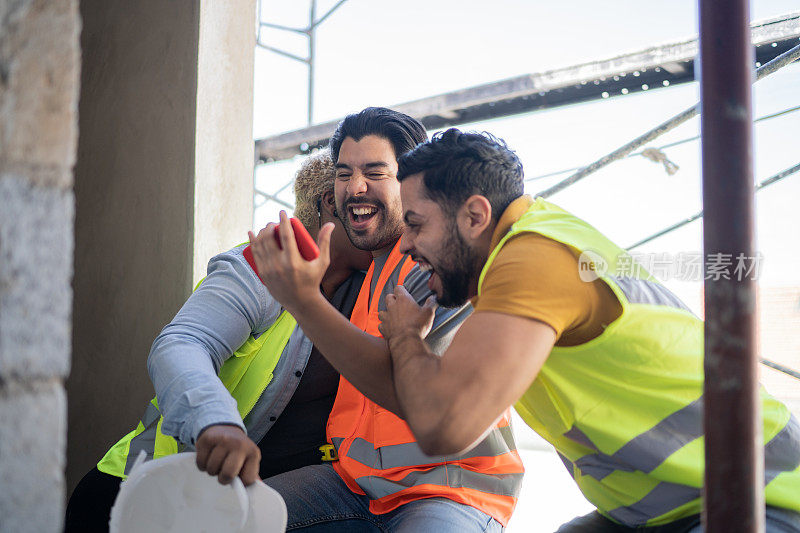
[{"x": 734, "y": 474}]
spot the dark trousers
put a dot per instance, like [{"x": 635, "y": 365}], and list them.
[{"x": 89, "y": 507}]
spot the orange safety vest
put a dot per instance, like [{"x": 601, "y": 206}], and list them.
[{"x": 379, "y": 457}]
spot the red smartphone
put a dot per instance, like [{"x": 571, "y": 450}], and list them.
[
  {"x": 308, "y": 248},
  {"x": 305, "y": 244}
]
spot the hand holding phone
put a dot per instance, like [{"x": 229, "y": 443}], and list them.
[
  {"x": 305, "y": 244},
  {"x": 308, "y": 248}
]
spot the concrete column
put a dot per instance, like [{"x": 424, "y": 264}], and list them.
[
  {"x": 165, "y": 143},
  {"x": 39, "y": 75},
  {"x": 224, "y": 132}
]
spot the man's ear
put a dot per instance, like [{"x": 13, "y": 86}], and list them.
[
  {"x": 327, "y": 204},
  {"x": 475, "y": 217}
]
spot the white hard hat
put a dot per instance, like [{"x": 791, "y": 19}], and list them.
[{"x": 172, "y": 495}]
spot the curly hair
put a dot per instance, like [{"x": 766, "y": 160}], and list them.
[
  {"x": 314, "y": 178},
  {"x": 456, "y": 165}
]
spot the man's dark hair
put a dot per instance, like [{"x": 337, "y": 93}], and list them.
[
  {"x": 402, "y": 131},
  {"x": 456, "y": 165}
]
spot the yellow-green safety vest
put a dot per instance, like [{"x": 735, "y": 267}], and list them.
[
  {"x": 245, "y": 374},
  {"x": 624, "y": 410}
]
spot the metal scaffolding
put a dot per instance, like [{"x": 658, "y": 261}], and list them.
[
  {"x": 734, "y": 475},
  {"x": 765, "y": 70},
  {"x": 728, "y": 46},
  {"x": 310, "y": 33},
  {"x": 645, "y": 70}
]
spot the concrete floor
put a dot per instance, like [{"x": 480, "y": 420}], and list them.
[{"x": 549, "y": 495}]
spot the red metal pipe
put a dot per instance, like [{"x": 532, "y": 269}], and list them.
[{"x": 734, "y": 495}]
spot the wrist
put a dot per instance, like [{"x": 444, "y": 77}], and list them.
[
  {"x": 307, "y": 301},
  {"x": 411, "y": 358},
  {"x": 218, "y": 426},
  {"x": 407, "y": 340}
]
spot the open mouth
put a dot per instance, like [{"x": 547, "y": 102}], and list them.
[
  {"x": 361, "y": 215},
  {"x": 425, "y": 267},
  {"x": 434, "y": 284}
]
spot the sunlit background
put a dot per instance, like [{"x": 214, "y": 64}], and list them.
[{"x": 387, "y": 53}]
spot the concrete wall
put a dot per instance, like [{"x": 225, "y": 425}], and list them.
[
  {"x": 39, "y": 74},
  {"x": 148, "y": 167},
  {"x": 224, "y": 133}
]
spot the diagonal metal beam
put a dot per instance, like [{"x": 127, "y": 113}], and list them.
[
  {"x": 648, "y": 69},
  {"x": 284, "y": 53},
  {"x": 272, "y": 198},
  {"x": 779, "y": 62},
  {"x": 326, "y": 15},
  {"x": 766, "y": 183}
]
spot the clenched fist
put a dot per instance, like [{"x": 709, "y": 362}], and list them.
[{"x": 226, "y": 452}]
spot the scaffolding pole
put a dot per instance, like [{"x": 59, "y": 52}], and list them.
[
  {"x": 688, "y": 220},
  {"x": 624, "y": 151},
  {"x": 734, "y": 476},
  {"x": 311, "y": 33}
]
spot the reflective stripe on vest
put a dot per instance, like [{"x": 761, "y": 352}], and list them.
[
  {"x": 379, "y": 457},
  {"x": 499, "y": 441},
  {"x": 624, "y": 410},
  {"x": 245, "y": 374}
]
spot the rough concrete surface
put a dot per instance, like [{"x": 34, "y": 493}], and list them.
[
  {"x": 32, "y": 430},
  {"x": 223, "y": 202},
  {"x": 134, "y": 197},
  {"x": 35, "y": 275},
  {"x": 165, "y": 140},
  {"x": 39, "y": 73}
]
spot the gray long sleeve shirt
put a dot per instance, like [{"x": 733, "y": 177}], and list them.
[
  {"x": 226, "y": 309},
  {"x": 229, "y": 306}
]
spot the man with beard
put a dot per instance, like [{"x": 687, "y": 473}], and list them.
[
  {"x": 607, "y": 367},
  {"x": 382, "y": 480},
  {"x": 234, "y": 375}
]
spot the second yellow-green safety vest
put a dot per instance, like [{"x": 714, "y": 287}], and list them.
[
  {"x": 624, "y": 410},
  {"x": 245, "y": 374}
]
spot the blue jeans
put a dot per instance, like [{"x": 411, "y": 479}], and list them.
[
  {"x": 778, "y": 521},
  {"x": 318, "y": 500}
]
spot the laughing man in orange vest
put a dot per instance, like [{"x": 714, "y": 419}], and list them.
[{"x": 382, "y": 479}]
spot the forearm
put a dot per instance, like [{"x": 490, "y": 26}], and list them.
[
  {"x": 421, "y": 391},
  {"x": 451, "y": 401},
  {"x": 361, "y": 358},
  {"x": 191, "y": 397},
  {"x": 229, "y": 306},
  {"x": 439, "y": 406}
]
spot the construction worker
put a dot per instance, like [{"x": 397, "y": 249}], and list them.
[
  {"x": 382, "y": 480},
  {"x": 600, "y": 359},
  {"x": 266, "y": 411}
]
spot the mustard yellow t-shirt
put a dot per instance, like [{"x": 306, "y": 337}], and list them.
[{"x": 536, "y": 277}]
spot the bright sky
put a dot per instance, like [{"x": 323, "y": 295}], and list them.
[
  {"x": 385, "y": 53},
  {"x": 380, "y": 53}
]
